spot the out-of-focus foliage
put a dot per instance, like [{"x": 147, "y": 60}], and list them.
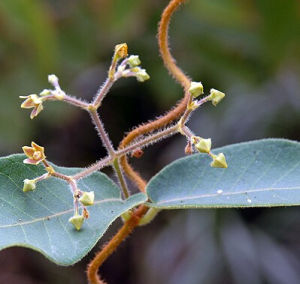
[{"x": 248, "y": 49}]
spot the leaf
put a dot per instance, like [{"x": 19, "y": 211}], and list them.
[
  {"x": 260, "y": 173},
  {"x": 39, "y": 219}
]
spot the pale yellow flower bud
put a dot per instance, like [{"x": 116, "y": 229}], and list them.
[
  {"x": 196, "y": 89},
  {"x": 29, "y": 185},
  {"x": 142, "y": 75},
  {"x": 203, "y": 145},
  {"x": 215, "y": 96},
  {"x": 87, "y": 198},
  {"x": 219, "y": 161},
  {"x": 77, "y": 221},
  {"x": 133, "y": 61}
]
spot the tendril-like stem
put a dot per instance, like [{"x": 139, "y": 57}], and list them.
[
  {"x": 173, "y": 114},
  {"x": 110, "y": 247}
]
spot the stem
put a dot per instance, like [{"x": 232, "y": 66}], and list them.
[
  {"x": 102, "y": 92},
  {"x": 163, "y": 35},
  {"x": 75, "y": 102},
  {"x": 119, "y": 172},
  {"x": 148, "y": 140},
  {"x": 101, "y": 131},
  {"x": 122, "y": 152},
  {"x": 70, "y": 100},
  {"x": 108, "y": 249},
  {"x": 173, "y": 114}
]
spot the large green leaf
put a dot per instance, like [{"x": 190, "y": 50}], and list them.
[
  {"x": 39, "y": 219},
  {"x": 259, "y": 173}
]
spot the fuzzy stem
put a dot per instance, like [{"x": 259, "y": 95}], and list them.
[
  {"x": 102, "y": 92},
  {"x": 111, "y": 246},
  {"x": 119, "y": 172},
  {"x": 120, "y": 153},
  {"x": 68, "y": 99},
  {"x": 172, "y": 114},
  {"x": 101, "y": 131}
]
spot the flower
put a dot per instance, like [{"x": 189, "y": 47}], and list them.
[
  {"x": 216, "y": 96},
  {"x": 140, "y": 74},
  {"x": 121, "y": 51},
  {"x": 196, "y": 89},
  {"x": 29, "y": 185},
  {"x": 203, "y": 145},
  {"x": 87, "y": 198},
  {"x": 77, "y": 221},
  {"x": 219, "y": 161},
  {"x": 35, "y": 154},
  {"x": 133, "y": 61},
  {"x": 33, "y": 101}
]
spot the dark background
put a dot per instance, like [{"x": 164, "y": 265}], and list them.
[{"x": 249, "y": 49}]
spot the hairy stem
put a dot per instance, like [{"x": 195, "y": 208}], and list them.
[
  {"x": 110, "y": 247},
  {"x": 102, "y": 92},
  {"x": 101, "y": 131},
  {"x": 119, "y": 172},
  {"x": 174, "y": 113},
  {"x": 120, "y": 153}
]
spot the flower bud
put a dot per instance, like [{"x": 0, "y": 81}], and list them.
[
  {"x": 77, "y": 221},
  {"x": 142, "y": 75},
  {"x": 29, "y": 185},
  {"x": 196, "y": 89},
  {"x": 53, "y": 80},
  {"x": 121, "y": 51},
  {"x": 203, "y": 145},
  {"x": 133, "y": 61},
  {"x": 87, "y": 198},
  {"x": 45, "y": 92},
  {"x": 219, "y": 161},
  {"x": 216, "y": 96}
]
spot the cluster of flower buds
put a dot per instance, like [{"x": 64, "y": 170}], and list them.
[
  {"x": 129, "y": 67},
  {"x": 36, "y": 101},
  {"x": 35, "y": 155},
  {"x": 196, "y": 89},
  {"x": 86, "y": 199},
  {"x": 203, "y": 145}
]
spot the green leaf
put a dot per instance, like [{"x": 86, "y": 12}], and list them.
[
  {"x": 260, "y": 173},
  {"x": 39, "y": 219}
]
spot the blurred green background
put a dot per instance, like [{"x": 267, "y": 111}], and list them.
[{"x": 248, "y": 49}]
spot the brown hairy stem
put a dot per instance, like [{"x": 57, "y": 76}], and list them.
[
  {"x": 173, "y": 114},
  {"x": 110, "y": 247}
]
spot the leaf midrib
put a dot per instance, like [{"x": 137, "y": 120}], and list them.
[
  {"x": 56, "y": 214},
  {"x": 226, "y": 194}
]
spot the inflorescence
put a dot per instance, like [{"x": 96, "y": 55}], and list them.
[{"x": 122, "y": 66}]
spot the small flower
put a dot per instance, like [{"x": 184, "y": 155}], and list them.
[
  {"x": 35, "y": 154},
  {"x": 77, "y": 221},
  {"x": 215, "y": 96},
  {"x": 33, "y": 101},
  {"x": 203, "y": 145},
  {"x": 121, "y": 51},
  {"x": 87, "y": 198},
  {"x": 133, "y": 61},
  {"x": 29, "y": 185},
  {"x": 219, "y": 161},
  {"x": 196, "y": 89},
  {"x": 53, "y": 80},
  {"x": 45, "y": 92},
  {"x": 140, "y": 74}
]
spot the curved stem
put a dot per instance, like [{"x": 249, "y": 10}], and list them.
[
  {"x": 173, "y": 114},
  {"x": 110, "y": 247}
]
